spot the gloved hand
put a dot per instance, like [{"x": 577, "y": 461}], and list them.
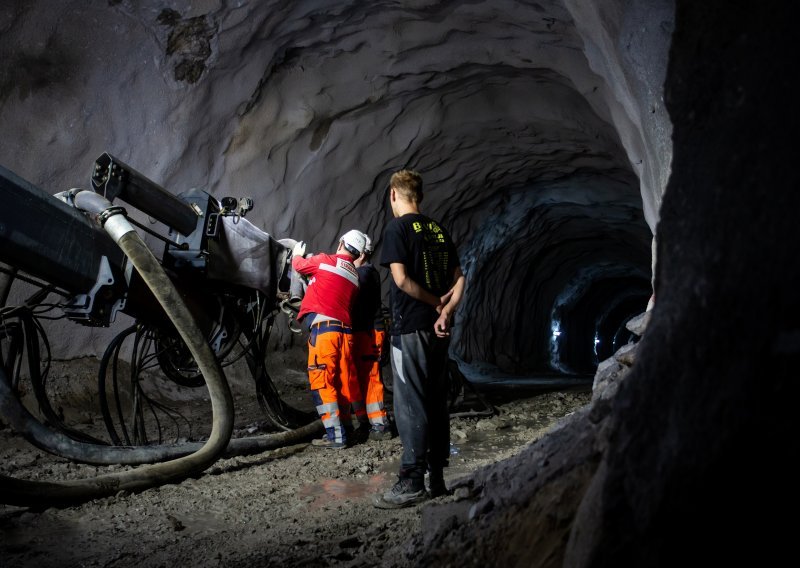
[{"x": 299, "y": 249}]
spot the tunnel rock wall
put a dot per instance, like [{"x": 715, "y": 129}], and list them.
[
  {"x": 626, "y": 43},
  {"x": 308, "y": 108}
]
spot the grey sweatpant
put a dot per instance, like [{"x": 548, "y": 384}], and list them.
[{"x": 420, "y": 390}]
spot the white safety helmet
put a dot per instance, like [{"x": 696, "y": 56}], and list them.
[
  {"x": 355, "y": 242},
  {"x": 368, "y": 247}
]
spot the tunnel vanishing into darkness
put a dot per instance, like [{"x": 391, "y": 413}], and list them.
[
  {"x": 550, "y": 299},
  {"x": 539, "y": 128}
]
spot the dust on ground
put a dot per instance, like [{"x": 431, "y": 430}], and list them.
[{"x": 294, "y": 506}]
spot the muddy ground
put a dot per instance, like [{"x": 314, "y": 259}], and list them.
[{"x": 295, "y": 506}]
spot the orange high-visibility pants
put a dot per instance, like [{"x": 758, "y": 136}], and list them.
[
  {"x": 332, "y": 377},
  {"x": 367, "y": 347}
]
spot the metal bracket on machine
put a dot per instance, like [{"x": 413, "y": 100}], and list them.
[
  {"x": 97, "y": 307},
  {"x": 230, "y": 207}
]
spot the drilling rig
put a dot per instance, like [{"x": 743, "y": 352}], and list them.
[{"x": 227, "y": 277}]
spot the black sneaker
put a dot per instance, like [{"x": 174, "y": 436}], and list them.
[
  {"x": 405, "y": 493},
  {"x": 436, "y": 486}
]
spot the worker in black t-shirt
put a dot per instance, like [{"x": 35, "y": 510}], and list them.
[{"x": 426, "y": 286}]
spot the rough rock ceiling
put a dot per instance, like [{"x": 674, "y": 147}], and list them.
[{"x": 539, "y": 128}]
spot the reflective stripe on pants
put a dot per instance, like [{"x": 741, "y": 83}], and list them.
[
  {"x": 333, "y": 381},
  {"x": 367, "y": 357}
]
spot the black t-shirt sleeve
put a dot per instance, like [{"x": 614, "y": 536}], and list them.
[{"x": 395, "y": 246}]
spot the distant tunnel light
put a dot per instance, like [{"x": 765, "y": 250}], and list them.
[{"x": 556, "y": 333}]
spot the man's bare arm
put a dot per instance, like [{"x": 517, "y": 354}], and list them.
[{"x": 442, "y": 325}]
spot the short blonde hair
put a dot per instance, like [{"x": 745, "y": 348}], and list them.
[{"x": 408, "y": 183}]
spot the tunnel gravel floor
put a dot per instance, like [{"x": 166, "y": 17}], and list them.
[{"x": 295, "y": 506}]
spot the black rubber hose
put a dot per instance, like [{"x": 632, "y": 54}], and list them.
[
  {"x": 111, "y": 351},
  {"x": 33, "y": 493},
  {"x": 32, "y": 337},
  {"x": 54, "y": 442},
  {"x": 6, "y": 280}
]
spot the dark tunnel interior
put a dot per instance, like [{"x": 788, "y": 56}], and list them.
[{"x": 555, "y": 274}]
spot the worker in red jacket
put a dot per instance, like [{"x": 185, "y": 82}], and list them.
[{"x": 325, "y": 311}]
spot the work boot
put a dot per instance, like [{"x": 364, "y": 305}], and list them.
[
  {"x": 325, "y": 442},
  {"x": 360, "y": 434},
  {"x": 380, "y": 433},
  {"x": 405, "y": 493}
]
